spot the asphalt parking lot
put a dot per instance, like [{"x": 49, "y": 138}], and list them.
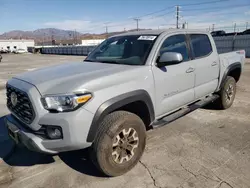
[{"x": 207, "y": 148}]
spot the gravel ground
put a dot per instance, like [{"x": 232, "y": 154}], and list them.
[{"x": 206, "y": 148}]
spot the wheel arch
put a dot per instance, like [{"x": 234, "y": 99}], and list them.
[
  {"x": 233, "y": 70},
  {"x": 117, "y": 103}
]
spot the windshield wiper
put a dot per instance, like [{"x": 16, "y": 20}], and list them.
[
  {"x": 89, "y": 60},
  {"x": 111, "y": 62}
]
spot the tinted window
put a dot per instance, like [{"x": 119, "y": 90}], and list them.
[
  {"x": 201, "y": 45},
  {"x": 176, "y": 43}
]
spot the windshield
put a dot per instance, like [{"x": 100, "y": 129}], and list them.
[{"x": 128, "y": 50}]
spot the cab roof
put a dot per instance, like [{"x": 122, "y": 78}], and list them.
[{"x": 161, "y": 31}]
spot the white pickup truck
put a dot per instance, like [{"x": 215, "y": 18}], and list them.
[{"x": 130, "y": 83}]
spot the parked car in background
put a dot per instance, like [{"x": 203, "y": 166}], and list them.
[
  {"x": 218, "y": 33},
  {"x": 130, "y": 83},
  {"x": 246, "y": 32},
  {"x": 20, "y": 51},
  {"x": 4, "y": 51}
]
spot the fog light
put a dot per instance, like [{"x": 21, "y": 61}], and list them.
[{"x": 54, "y": 132}]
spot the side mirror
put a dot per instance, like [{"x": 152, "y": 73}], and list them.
[{"x": 169, "y": 58}]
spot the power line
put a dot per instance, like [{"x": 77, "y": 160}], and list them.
[
  {"x": 213, "y": 8},
  {"x": 190, "y": 4},
  {"x": 161, "y": 15},
  {"x": 157, "y": 16},
  {"x": 204, "y": 3},
  {"x": 155, "y": 12}
]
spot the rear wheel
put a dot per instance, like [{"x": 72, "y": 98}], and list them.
[
  {"x": 227, "y": 94},
  {"x": 119, "y": 143}
]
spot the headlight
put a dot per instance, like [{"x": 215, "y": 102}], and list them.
[{"x": 65, "y": 103}]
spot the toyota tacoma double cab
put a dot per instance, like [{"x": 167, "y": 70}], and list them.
[{"x": 130, "y": 83}]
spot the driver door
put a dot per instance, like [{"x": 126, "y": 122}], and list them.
[{"x": 174, "y": 84}]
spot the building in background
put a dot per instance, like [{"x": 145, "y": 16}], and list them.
[
  {"x": 92, "y": 42},
  {"x": 13, "y": 45}
]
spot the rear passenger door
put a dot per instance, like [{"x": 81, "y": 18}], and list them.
[{"x": 206, "y": 62}]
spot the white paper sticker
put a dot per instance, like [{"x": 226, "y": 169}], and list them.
[{"x": 147, "y": 38}]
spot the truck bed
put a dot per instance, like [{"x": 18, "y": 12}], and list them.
[{"x": 229, "y": 58}]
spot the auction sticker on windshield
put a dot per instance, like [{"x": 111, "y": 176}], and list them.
[{"x": 147, "y": 38}]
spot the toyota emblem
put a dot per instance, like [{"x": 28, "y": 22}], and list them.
[{"x": 13, "y": 98}]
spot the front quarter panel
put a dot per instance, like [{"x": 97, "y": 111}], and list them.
[
  {"x": 106, "y": 88},
  {"x": 138, "y": 80}
]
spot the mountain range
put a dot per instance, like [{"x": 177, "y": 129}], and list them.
[{"x": 41, "y": 34}]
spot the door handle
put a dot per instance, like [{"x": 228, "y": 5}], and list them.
[
  {"x": 190, "y": 69},
  {"x": 214, "y": 64}
]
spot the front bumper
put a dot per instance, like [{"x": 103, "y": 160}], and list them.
[
  {"x": 34, "y": 142},
  {"x": 19, "y": 135}
]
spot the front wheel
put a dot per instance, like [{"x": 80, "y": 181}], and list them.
[
  {"x": 119, "y": 144},
  {"x": 227, "y": 93}
]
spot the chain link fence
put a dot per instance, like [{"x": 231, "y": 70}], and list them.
[{"x": 231, "y": 43}]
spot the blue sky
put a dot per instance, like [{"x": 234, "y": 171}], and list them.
[{"x": 92, "y": 15}]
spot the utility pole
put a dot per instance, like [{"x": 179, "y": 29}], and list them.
[
  {"x": 106, "y": 28},
  {"x": 75, "y": 38},
  {"x": 234, "y": 27},
  {"x": 177, "y": 16},
  {"x": 213, "y": 27},
  {"x": 246, "y": 25},
  {"x": 52, "y": 38},
  {"x": 184, "y": 25},
  {"x": 137, "y": 23},
  {"x": 43, "y": 38}
]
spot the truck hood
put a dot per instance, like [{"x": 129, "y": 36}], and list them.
[{"x": 71, "y": 76}]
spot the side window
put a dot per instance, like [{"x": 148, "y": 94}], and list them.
[
  {"x": 176, "y": 43},
  {"x": 201, "y": 45}
]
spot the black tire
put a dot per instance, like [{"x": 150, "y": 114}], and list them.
[
  {"x": 103, "y": 146},
  {"x": 224, "y": 100}
]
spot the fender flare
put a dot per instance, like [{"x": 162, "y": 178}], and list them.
[
  {"x": 228, "y": 70},
  {"x": 116, "y": 103}
]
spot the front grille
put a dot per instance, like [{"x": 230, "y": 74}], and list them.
[{"x": 23, "y": 109}]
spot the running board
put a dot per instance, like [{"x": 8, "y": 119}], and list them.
[{"x": 183, "y": 111}]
